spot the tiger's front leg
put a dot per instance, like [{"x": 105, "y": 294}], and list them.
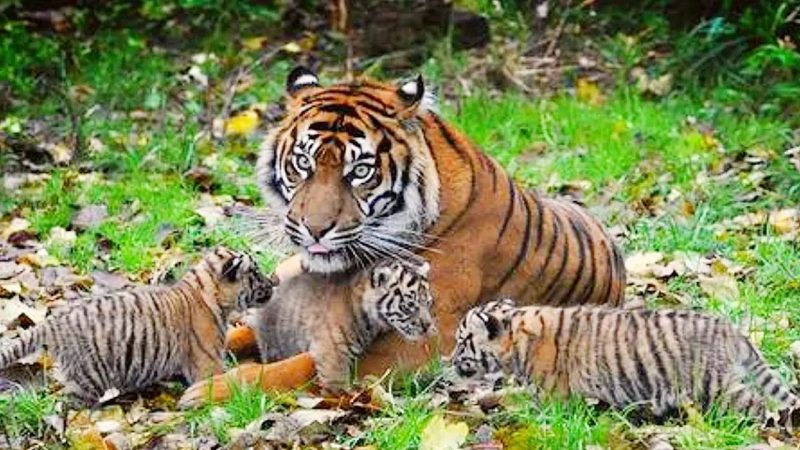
[{"x": 284, "y": 375}]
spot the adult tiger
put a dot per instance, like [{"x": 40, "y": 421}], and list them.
[{"x": 367, "y": 170}]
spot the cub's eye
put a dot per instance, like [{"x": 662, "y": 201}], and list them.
[
  {"x": 302, "y": 162},
  {"x": 362, "y": 171}
]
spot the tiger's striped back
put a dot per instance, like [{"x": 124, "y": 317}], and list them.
[
  {"x": 660, "y": 360},
  {"x": 127, "y": 340}
]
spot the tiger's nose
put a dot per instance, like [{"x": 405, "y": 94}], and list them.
[{"x": 318, "y": 230}]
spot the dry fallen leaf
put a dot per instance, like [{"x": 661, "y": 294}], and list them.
[
  {"x": 242, "y": 124},
  {"x": 60, "y": 153},
  {"x": 722, "y": 287},
  {"x": 439, "y": 434},
  {"x": 642, "y": 263},
  {"x": 254, "y": 43},
  {"x": 90, "y": 216},
  {"x": 588, "y": 92},
  {"x": 60, "y": 236},
  {"x": 16, "y": 225},
  {"x": 13, "y": 310}
]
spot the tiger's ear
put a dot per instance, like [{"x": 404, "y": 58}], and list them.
[
  {"x": 411, "y": 91},
  {"x": 300, "y": 78}
]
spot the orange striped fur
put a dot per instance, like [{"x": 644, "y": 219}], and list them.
[{"x": 364, "y": 171}]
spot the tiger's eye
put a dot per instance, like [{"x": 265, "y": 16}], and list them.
[
  {"x": 303, "y": 162},
  {"x": 362, "y": 171}
]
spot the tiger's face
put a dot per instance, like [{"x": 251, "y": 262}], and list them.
[
  {"x": 351, "y": 168},
  {"x": 482, "y": 339},
  {"x": 399, "y": 297},
  {"x": 241, "y": 283}
]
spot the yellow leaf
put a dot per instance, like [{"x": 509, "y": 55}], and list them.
[
  {"x": 441, "y": 435},
  {"x": 785, "y": 221},
  {"x": 254, "y": 43},
  {"x": 292, "y": 47},
  {"x": 17, "y": 224},
  {"x": 588, "y": 92},
  {"x": 242, "y": 124},
  {"x": 88, "y": 440},
  {"x": 59, "y": 152}
]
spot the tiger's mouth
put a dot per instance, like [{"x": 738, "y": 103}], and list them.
[{"x": 318, "y": 249}]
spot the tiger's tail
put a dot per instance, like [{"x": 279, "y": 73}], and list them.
[{"x": 28, "y": 342}]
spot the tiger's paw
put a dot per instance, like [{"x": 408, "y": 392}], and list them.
[
  {"x": 241, "y": 340},
  {"x": 285, "y": 375}
]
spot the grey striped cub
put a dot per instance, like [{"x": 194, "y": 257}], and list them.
[
  {"x": 656, "y": 359},
  {"x": 124, "y": 341}
]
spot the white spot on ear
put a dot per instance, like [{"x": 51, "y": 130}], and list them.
[
  {"x": 410, "y": 89},
  {"x": 305, "y": 80}
]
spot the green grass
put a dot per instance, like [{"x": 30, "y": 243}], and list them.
[
  {"x": 23, "y": 414},
  {"x": 633, "y": 151},
  {"x": 244, "y": 406}
]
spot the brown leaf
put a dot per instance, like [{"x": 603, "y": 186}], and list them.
[
  {"x": 106, "y": 281},
  {"x": 90, "y": 216},
  {"x": 16, "y": 225},
  {"x": 722, "y": 287},
  {"x": 201, "y": 176},
  {"x": 642, "y": 263}
]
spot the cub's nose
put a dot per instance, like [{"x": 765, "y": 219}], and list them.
[{"x": 465, "y": 370}]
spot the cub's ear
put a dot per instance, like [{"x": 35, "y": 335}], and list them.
[
  {"x": 232, "y": 268},
  {"x": 507, "y": 303},
  {"x": 424, "y": 269},
  {"x": 299, "y": 79},
  {"x": 411, "y": 91},
  {"x": 493, "y": 326},
  {"x": 381, "y": 276}
]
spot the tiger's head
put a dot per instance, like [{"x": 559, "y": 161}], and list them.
[
  {"x": 352, "y": 169},
  {"x": 239, "y": 281},
  {"x": 483, "y": 339},
  {"x": 398, "y": 296}
]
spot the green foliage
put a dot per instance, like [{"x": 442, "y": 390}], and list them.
[
  {"x": 245, "y": 405},
  {"x": 23, "y": 414}
]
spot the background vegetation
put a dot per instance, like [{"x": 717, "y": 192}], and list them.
[{"x": 127, "y": 127}]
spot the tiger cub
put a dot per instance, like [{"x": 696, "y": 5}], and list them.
[
  {"x": 124, "y": 341},
  {"x": 337, "y": 322},
  {"x": 656, "y": 360}
]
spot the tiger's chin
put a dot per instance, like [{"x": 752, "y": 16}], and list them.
[{"x": 334, "y": 261}]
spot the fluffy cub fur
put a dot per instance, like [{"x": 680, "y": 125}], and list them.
[
  {"x": 124, "y": 341},
  {"x": 656, "y": 359},
  {"x": 337, "y": 321}
]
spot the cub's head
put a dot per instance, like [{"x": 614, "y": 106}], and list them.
[
  {"x": 398, "y": 296},
  {"x": 240, "y": 284},
  {"x": 351, "y": 168},
  {"x": 483, "y": 339}
]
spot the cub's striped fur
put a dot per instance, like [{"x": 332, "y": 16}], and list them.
[
  {"x": 125, "y": 341},
  {"x": 659, "y": 360},
  {"x": 337, "y": 322}
]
